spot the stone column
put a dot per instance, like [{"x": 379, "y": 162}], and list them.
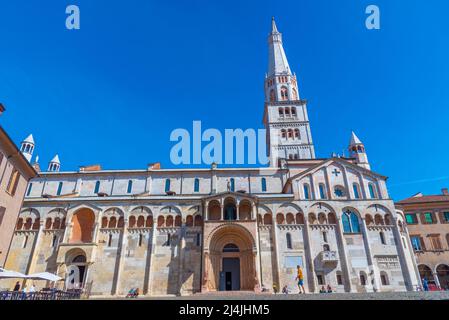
[
  {"x": 257, "y": 261},
  {"x": 95, "y": 232},
  {"x": 237, "y": 207},
  {"x": 413, "y": 258},
  {"x": 277, "y": 250},
  {"x": 310, "y": 268},
  {"x": 35, "y": 250},
  {"x": 182, "y": 246},
  {"x": 401, "y": 253},
  {"x": 153, "y": 252},
  {"x": 222, "y": 211},
  {"x": 344, "y": 256},
  {"x": 369, "y": 256},
  {"x": 437, "y": 281},
  {"x": 122, "y": 253}
]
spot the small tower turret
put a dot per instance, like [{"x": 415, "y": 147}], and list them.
[
  {"x": 54, "y": 164},
  {"x": 27, "y": 147},
  {"x": 358, "y": 152}
]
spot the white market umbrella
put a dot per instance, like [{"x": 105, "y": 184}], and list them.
[
  {"x": 44, "y": 276},
  {"x": 7, "y": 274}
]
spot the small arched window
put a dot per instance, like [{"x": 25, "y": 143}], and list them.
[
  {"x": 355, "y": 187},
  {"x": 130, "y": 186},
  {"x": 264, "y": 185},
  {"x": 97, "y": 187},
  {"x": 30, "y": 187},
  {"x": 284, "y": 133},
  {"x": 384, "y": 278},
  {"x": 167, "y": 185},
  {"x": 287, "y": 112},
  {"x": 294, "y": 111},
  {"x": 362, "y": 279},
  {"x": 58, "y": 193},
  {"x": 196, "y": 187},
  {"x": 290, "y": 133},
  {"x": 284, "y": 93},
  {"x": 326, "y": 248},
  {"x": 297, "y": 134},
  {"x": 289, "y": 241},
  {"x": 306, "y": 192}
]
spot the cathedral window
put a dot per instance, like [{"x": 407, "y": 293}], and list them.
[
  {"x": 350, "y": 222},
  {"x": 339, "y": 191},
  {"x": 30, "y": 187},
  {"x": 306, "y": 192},
  {"x": 58, "y": 193},
  {"x": 355, "y": 187},
  {"x": 130, "y": 186},
  {"x": 167, "y": 185},
  {"x": 284, "y": 93},
  {"x": 289, "y": 241},
  {"x": 324, "y": 236},
  {"x": 97, "y": 187},
  {"x": 13, "y": 182},
  {"x": 25, "y": 241},
  {"x": 189, "y": 221},
  {"x": 382, "y": 238},
  {"x": 339, "y": 279},
  {"x": 140, "y": 239},
  {"x": 48, "y": 224},
  {"x": 196, "y": 187},
  {"x": 198, "y": 239},
  {"x": 232, "y": 185},
  {"x": 272, "y": 95},
  {"x": 322, "y": 191},
  {"x": 54, "y": 241},
  {"x": 264, "y": 185},
  {"x": 290, "y": 133},
  {"x": 326, "y": 248},
  {"x": 287, "y": 112},
  {"x": 140, "y": 222},
  {"x": 110, "y": 240},
  {"x": 320, "y": 279},
  {"x": 372, "y": 191}
]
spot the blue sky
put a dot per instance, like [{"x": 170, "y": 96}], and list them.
[{"x": 112, "y": 92}]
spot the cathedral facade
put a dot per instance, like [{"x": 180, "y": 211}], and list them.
[{"x": 186, "y": 231}]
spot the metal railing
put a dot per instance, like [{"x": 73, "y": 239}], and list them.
[{"x": 41, "y": 295}]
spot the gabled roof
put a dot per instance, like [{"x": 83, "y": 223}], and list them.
[
  {"x": 327, "y": 162},
  {"x": 424, "y": 199}
]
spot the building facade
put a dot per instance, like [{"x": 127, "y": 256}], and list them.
[
  {"x": 427, "y": 219},
  {"x": 181, "y": 231},
  {"x": 15, "y": 172}
]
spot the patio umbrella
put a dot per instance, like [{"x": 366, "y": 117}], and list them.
[
  {"x": 7, "y": 274},
  {"x": 44, "y": 276}
]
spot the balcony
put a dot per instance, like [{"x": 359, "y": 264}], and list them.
[{"x": 329, "y": 257}]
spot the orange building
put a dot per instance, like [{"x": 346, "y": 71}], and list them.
[{"x": 427, "y": 218}]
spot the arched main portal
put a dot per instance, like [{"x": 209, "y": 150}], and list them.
[
  {"x": 230, "y": 261},
  {"x": 76, "y": 271},
  {"x": 443, "y": 276}
]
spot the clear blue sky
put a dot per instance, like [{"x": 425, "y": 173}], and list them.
[{"x": 112, "y": 92}]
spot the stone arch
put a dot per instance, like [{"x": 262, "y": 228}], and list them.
[
  {"x": 245, "y": 210},
  {"x": 174, "y": 210},
  {"x": 132, "y": 221},
  {"x": 331, "y": 218},
  {"x": 268, "y": 219},
  {"x": 169, "y": 221},
  {"x": 230, "y": 209},
  {"x": 189, "y": 221},
  {"x": 289, "y": 207},
  {"x": 442, "y": 272},
  {"x": 160, "y": 221},
  {"x": 322, "y": 218},
  {"x": 312, "y": 218},
  {"x": 141, "y": 210},
  {"x": 198, "y": 220},
  {"x": 149, "y": 221},
  {"x": 178, "y": 221},
  {"x": 369, "y": 219},
  {"x": 290, "y": 218},
  {"x": 83, "y": 226},
  {"x": 425, "y": 272},
  {"x": 280, "y": 218},
  {"x": 214, "y": 210},
  {"x": 299, "y": 218},
  {"x": 140, "y": 221},
  {"x": 378, "y": 220}
]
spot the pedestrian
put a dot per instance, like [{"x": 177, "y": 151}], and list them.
[
  {"x": 275, "y": 288},
  {"x": 285, "y": 289},
  {"x": 329, "y": 288},
  {"x": 16, "y": 287},
  {"x": 425, "y": 284},
  {"x": 323, "y": 290},
  {"x": 300, "y": 279}
]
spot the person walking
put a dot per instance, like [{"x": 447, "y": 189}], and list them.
[
  {"x": 425, "y": 284},
  {"x": 300, "y": 279}
]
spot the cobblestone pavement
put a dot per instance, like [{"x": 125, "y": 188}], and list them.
[{"x": 443, "y": 295}]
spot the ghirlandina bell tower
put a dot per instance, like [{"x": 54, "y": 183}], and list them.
[{"x": 285, "y": 117}]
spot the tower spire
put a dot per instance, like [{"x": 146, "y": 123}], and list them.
[
  {"x": 27, "y": 147},
  {"x": 277, "y": 62},
  {"x": 357, "y": 151}
]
